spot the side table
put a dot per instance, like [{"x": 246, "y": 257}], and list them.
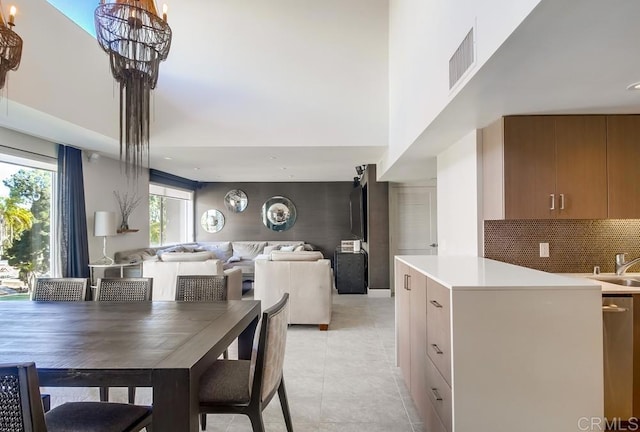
[
  {"x": 92, "y": 267},
  {"x": 350, "y": 268}
]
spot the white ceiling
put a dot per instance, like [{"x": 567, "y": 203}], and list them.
[{"x": 291, "y": 90}]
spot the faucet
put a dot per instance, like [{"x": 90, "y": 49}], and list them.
[{"x": 622, "y": 265}]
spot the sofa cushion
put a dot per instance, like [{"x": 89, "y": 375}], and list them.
[
  {"x": 287, "y": 248},
  {"x": 248, "y": 250},
  {"x": 296, "y": 256},
  {"x": 269, "y": 249},
  {"x": 222, "y": 250},
  {"x": 186, "y": 256}
]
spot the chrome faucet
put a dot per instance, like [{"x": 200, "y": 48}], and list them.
[{"x": 622, "y": 265}]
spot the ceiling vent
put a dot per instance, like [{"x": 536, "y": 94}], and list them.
[{"x": 461, "y": 60}]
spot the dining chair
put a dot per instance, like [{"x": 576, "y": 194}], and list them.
[
  {"x": 123, "y": 290},
  {"x": 59, "y": 289},
  {"x": 247, "y": 386},
  {"x": 197, "y": 288},
  {"x": 21, "y": 408}
]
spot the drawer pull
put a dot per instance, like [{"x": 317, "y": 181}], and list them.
[
  {"x": 408, "y": 282},
  {"x": 436, "y": 304},
  {"x": 437, "y": 349},
  {"x": 436, "y": 394},
  {"x": 553, "y": 201}
]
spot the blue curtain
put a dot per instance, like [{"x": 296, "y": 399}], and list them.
[{"x": 74, "y": 248}]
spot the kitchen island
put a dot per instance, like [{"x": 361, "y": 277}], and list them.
[{"x": 489, "y": 346}]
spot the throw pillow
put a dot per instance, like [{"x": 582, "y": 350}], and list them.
[
  {"x": 222, "y": 250},
  {"x": 234, "y": 259},
  {"x": 248, "y": 250},
  {"x": 185, "y": 256},
  {"x": 298, "y": 248},
  {"x": 287, "y": 248},
  {"x": 269, "y": 249}
]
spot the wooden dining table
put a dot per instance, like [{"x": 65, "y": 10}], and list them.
[{"x": 163, "y": 345}]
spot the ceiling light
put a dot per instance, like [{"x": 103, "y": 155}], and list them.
[
  {"x": 634, "y": 86},
  {"x": 137, "y": 40},
  {"x": 167, "y": 158},
  {"x": 10, "y": 45}
]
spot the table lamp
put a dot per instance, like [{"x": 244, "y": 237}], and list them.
[{"x": 104, "y": 225}]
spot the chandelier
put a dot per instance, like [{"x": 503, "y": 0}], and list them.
[
  {"x": 137, "y": 40},
  {"x": 10, "y": 45}
]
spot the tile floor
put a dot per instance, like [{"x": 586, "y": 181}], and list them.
[{"x": 341, "y": 380}]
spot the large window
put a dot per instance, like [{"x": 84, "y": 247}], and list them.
[
  {"x": 170, "y": 215},
  {"x": 26, "y": 239}
]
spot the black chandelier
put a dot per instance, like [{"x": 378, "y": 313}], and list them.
[
  {"x": 137, "y": 40},
  {"x": 10, "y": 45}
]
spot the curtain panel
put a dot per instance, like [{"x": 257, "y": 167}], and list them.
[{"x": 72, "y": 215}]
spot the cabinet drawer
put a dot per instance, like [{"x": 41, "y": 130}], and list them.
[
  {"x": 432, "y": 422},
  {"x": 439, "y": 395},
  {"x": 438, "y": 327}
]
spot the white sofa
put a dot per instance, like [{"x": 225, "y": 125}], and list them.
[
  {"x": 164, "y": 274},
  {"x": 308, "y": 279}
]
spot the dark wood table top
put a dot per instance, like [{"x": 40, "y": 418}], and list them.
[{"x": 102, "y": 343}]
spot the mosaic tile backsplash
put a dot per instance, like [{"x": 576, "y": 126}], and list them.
[{"x": 575, "y": 246}]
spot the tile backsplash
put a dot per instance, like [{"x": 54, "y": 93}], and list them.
[{"x": 575, "y": 246}]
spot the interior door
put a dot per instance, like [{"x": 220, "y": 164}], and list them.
[{"x": 415, "y": 218}]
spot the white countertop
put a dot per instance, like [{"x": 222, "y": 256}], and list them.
[
  {"x": 608, "y": 288},
  {"x": 467, "y": 273}
]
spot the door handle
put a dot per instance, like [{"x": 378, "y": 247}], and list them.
[
  {"x": 433, "y": 245},
  {"x": 613, "y": 308},
  {"x": 436, "y": 304},
  {"x": 553, "y": 201},
  {"x": 561, "y": 201},
  {"x": 437, "y": 349},
  {"x": 436, "y": 394}
]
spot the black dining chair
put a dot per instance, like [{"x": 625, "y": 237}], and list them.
[
  {"x": 123, "y": 290},
  {"x": 21, "y": 408},
  {"x": 59, "y": 289},
  {"x": 247, "y": 386},
  {"x": 197, "y": 288}
]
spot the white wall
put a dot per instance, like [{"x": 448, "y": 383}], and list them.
[
  {"x": 101, "y": 178},
  {"x": 423, "y": 35},
  {"x": 459, "y": 197}
]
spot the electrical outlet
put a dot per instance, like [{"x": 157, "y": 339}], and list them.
[{"x": 544, "y": 250}]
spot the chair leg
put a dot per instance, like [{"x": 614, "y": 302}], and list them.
[
  {"x": 104, "y": 394},
  {"x": 256, "y": 420},
  {"x": 132, "y": 395},
  {"x": 284, "y": 403},
  {"x": 203, "y": 421}
]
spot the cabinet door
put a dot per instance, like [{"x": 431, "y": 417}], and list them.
[
  {"x": 419, "y": 387},
  {"x": 403, "y": 320},
  {"x": 623, "y": 166},
  {"x": 581, "y": 165},
  {"x": 529, "y": 167}
]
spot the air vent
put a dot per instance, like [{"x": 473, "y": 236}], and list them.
[{"x": 461, "y": 60}]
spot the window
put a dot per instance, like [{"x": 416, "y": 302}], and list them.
[
  {"x": 170, "y": 215},
  {"x": 26, "y": 240}
]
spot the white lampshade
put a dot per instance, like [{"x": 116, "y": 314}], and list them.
[{"x": 104, "y": 224}]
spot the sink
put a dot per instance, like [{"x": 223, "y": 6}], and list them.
[{"x": 620, "y": 280}]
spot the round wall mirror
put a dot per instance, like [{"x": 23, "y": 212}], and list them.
[
  {"x": 278, "y": 213},
  {"x": 212, "y": 221},
  {"x": 236, "y": 200}
]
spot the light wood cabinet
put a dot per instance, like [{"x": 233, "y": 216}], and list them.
[
  {"x": 555, "y": 167},
  {"x": 623, "y": 166},
  {"x": 411, "y": 293}
]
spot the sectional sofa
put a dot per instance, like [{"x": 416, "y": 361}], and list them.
[{"x": 235, "y": 259}]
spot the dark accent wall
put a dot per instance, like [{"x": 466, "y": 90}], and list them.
[
  {"x": 377, "y": 241},
  {"x": 322, "y": 209}
]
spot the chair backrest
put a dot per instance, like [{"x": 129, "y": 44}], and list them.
[
  {"x": 124, "y": 289},
  {"x": 193, "y": 288},
  {"x": 60, "y": 289},
  {"x": 267, "y": 358},
  {"x": 20, "y": 404}
]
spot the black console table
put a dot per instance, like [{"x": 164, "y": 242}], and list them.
[{"x": 351, "y": 270}]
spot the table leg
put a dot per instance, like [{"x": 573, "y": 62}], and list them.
[
  {"x": 175, "y": 401},
  {"x": 245, "y": 341}
]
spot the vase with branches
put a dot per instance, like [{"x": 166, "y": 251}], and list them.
[{"x": 127, "y": 204}]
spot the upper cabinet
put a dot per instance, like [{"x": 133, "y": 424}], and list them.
[
  {"x": 623, "y": 163},
  {"x": 546, "y": 167},
  {"x": 555, "y": 167}
]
